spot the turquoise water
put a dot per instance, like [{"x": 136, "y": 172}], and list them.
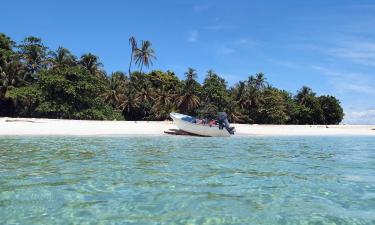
[{"x": 187, "y": 180}]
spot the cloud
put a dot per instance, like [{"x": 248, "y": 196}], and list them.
[
  {"x": 349, "y": 81},
  {"x": 219, "y": 27},
  {"x": 223, "y": 50},
  {"x": 236, "y": 45},
  {"x": 366, "y": 117},
  {"x": 193, "y": 36},
  {"x": 360, "y": 52}
]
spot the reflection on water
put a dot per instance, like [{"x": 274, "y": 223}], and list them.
[{"x": 187, "y": 180}]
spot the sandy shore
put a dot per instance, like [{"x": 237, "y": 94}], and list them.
[{"x": 27, "y": 126}]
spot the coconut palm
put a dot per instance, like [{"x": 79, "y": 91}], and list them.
[
  {"x": 130, "y": 104},
  {"x": 133, "y": 43},
  {"x": 163, "y": 97},
  {"x": 143, "y": 56},
  {"x": 260, "y": 81},
  {"x": 12, "y": 74},
  {"x": 303, "y": 94},
  {"x": 91, "y": 63},
  {"x": 238, "y": 94},
  {"x": 191, "y": 74},
  {"x": 163, "y": 103},
  {"x": 62, "y": 57},
  {"x": 234, "y": 112},
  {"x": 117, "y": 88},
  {"x": 188, "y": 100}
]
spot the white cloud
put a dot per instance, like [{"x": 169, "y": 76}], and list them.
[
  {"x": 219, "y": 27},
  {"x": 225, "y": 50},
  {"x": 358, "y": 51},
  {"x": 239, "y": 44},
  {"x": 363, "y": 117},
  {"x": 349, "y": 81},
  {"x": 193, "y": 36}
]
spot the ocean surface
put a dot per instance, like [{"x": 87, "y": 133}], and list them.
[{"x": 187, "y": 180}]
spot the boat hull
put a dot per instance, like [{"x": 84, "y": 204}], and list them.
[{"x": 198, "y": 129}]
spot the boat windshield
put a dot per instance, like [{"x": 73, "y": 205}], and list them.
[{"x": 189, "y": 119}]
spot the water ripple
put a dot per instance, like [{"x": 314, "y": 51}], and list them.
[{"x": 187, "y": 180}]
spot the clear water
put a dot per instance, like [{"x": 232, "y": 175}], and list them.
[{"x": 187, "y": 180}]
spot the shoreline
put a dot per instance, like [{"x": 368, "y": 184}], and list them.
[{"x": 60, "y": 127}]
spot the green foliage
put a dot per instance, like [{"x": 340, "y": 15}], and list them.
[
  {"x": 72, "y": 93},
  {"x": 215, "y": 90},
  {"x": 34, "y": 54},
  {"x": 55, "y": 84},
  {"x": 26, "y": 100},
  {"x": 273, "y": 110},
  {"x": 332, "y": 110}
]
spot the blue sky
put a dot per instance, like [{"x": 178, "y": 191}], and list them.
[{"x": 328, "y": 45}]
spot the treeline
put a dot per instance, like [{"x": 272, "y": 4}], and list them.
[{"x": 37, "y": 82}]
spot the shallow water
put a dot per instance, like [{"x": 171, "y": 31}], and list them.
[{"x": 187, "y": 180}]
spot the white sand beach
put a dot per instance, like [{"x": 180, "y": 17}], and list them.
[{"x": 28, "y": 126}]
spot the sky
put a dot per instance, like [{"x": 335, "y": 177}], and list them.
[{"x": 328, "y": 45}]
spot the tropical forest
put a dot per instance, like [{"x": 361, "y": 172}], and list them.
[{"x": 39, "y": 82}]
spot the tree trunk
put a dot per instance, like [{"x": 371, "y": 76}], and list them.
[{"x": 131, "y": 61}]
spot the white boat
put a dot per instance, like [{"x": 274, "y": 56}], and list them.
[{"x": 187, "y": 124}]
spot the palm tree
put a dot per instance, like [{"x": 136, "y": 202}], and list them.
[
  {"x": 93, "y": 65},
  {"x": 11, "y": 74},
  {"x": 303, "y": 94},
  {"x": 238, "y": 94},
  {"x": 143, "y": 56},
  {"x": 191, "y": 74},
  {"x": 133, "y": 43},
  {"x": 188, "y": 101},
  {"x": 234, "y": 113},
  {"x": 163, "y": 97},
  {"x": 117, "y": 88},
  {"x": 62, "y": 57},
  {"x": 130, "y": 104},
  {"x": 163, "y": 103},
  {"x": 260, "y": 81}
]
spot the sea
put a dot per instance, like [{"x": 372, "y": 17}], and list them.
[{"x": 187, "y": 180}]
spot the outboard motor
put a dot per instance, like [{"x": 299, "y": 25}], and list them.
[{"x": 223, "y": 122}]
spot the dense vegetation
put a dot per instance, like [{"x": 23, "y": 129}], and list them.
[{"x": 37, "y": 82}]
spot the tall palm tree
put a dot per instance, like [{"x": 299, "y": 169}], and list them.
[
  {"x": 260, "y": 81},
  {"x": 163, "y": 103},
  {"x": 188, "y": 101},
  {"x": 130, "y": 104},
  {"x": 93, "y": 65},
  {"x": 12, "y": 74},
  {"x": 239, "y": 94},
  {"x": 133, "y": 43},
  {"x": 117, "y": 88},
  {"x": 143, "y": 56},
  {"x": 191, "y": 74},
  {"x": 62, "y": 57},
  {"x": 303, "y": 94}
]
